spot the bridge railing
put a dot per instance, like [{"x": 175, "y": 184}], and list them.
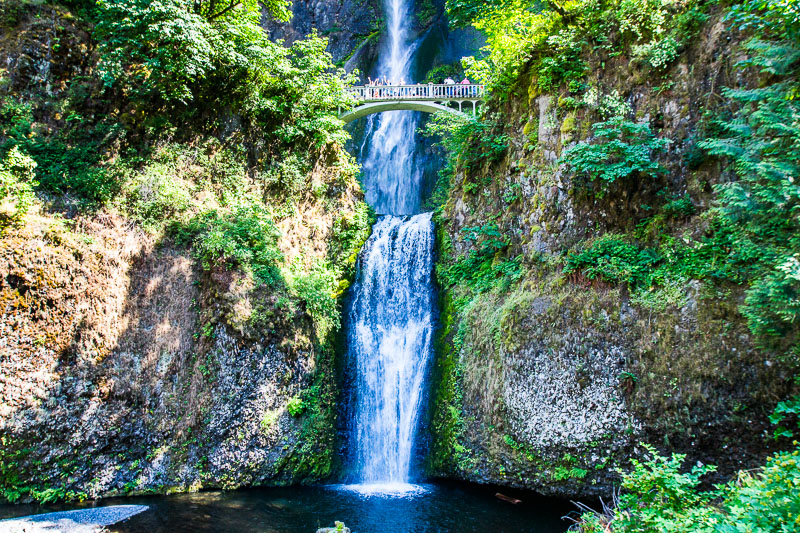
[{"x": 429, "y": 91}]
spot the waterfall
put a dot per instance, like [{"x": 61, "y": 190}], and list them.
[
  {"x": 390, "y": 334},
  {"x": 390, "y": 317},
  {"x": 393, "y": 177}
]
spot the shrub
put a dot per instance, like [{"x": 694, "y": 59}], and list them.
[
  {"x": 348, "y": 234},
  {"x": 466, "y": 141},
  {"x": 786, "y": 410},
  {"x": 678, "y": 206},
  {"x": 246, "y": 238},
  {"x": 67, "y": 162},
  {"x": 155, "y": 196},
  {"x": 178, "y": 58},
  {"x": 613, "y": 259},
  {"x": 17, "y": 172},
  {"x": 661, "y": 495},
  {"x": 620, "y": 149},
  {"x": 287, "y": 176},
  {"x": 761, "y": 140},
  {"x": 551, "y": 38},
  {"x": 295, "y": 406},
  {"x": 317, "y": 289}
]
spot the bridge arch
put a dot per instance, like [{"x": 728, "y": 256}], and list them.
[
  {"x": 397, "y": 105},
  {"x": 428, "y": 98}
]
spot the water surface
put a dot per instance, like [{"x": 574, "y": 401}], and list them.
[{"x": 430, "y": 508}]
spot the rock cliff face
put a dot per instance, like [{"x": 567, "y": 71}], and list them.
[
  {"x": 353, "y": 28},
  {"x": 116, "y": 380},
  {"x": 125, "y": 366},
  {"x": 551, "y": 381}
]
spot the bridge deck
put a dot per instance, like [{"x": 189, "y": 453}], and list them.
[{"x": 429, "y": 92}]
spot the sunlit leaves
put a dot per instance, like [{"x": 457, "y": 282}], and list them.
[
  {"x": 619, "y": 148},
  {"x": 761, "y": 209}
]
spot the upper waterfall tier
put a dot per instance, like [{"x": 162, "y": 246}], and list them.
[{"x": 392, "y": 177}]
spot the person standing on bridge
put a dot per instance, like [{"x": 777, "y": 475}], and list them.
[
  {"x": 465, "y": 90},
  {"x": 449, "y": 90}
]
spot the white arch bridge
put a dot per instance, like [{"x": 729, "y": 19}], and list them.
[{"x": 428, "y": 98}]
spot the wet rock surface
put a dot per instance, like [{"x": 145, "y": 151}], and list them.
[{"x": 351, "y": 26}]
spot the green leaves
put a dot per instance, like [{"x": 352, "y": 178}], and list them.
[
  {"x": 16, "y": 187},
  {"x": 662, "y": 495},
  {"x": 620, "y": 148},
  {"x": 550, "y": 39},
  {"x": 181, "y": 57},
  {"x": 154, "y": 49},
  {"x": 761, "y": 140},
  {"x": 789, "y": 409},
  {"x": 246, "y": 238},
  {"x": 613, "y": 260}
]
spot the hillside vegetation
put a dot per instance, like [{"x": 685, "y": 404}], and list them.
[
  {"x": 619, "y": 259},
  {"x": 179, "y": 221}
]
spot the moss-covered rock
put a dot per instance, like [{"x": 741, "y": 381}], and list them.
[{"x": 549, "y": 381}]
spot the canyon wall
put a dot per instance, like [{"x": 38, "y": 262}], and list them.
[
  {"x": 550, "y": 381},
  {"x": 126, "y": 364}
]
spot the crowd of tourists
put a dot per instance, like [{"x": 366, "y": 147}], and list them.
[{"x": 382, "y": 87}]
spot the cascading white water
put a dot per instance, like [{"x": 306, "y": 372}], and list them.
[
  {"x": 394, "y": 180},
  {"x": 390, "y": 319},
  {"x": 390, "y": 334}
]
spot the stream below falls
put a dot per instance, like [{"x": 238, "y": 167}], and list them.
[{"x": 435, "y": 508}]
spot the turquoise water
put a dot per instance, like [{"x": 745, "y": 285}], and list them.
[{"x": 428, "y": 508}]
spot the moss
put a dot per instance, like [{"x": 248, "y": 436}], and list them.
[
  {"x": 568, "y": 126},
  {"x": 531, "y": 129}
]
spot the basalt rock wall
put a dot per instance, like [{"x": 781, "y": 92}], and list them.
[{"x": 552, "y": 381}]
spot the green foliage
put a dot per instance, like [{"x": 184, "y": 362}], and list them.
[
  {"x": 761, "y": 140},
  {"x": 660, "y": 495},
  {"x": 246, "y": 238},
  {"x": 158, "y": 48},
  {"x": 660, "y": 492},
  {"x": 552, "y": 38},
  {"x": 612, "y": 259},
  {"x": 474, "y": 141},
  {"x": 11, "y": 12},
  {"x": 620, "y": 149},
  {"x": 483, "y": 268},
  {"x": 562, "y": 473},
  {"x": 465, "y": 141},
  {"x": 155, "y": 195},
  {"x": 656, "y": 276},
  {"x": 17, "y": 171},
  {"x": 176, "y": 56},
  {"x": 447, "y": 421},
  {"x": 67, "y": 162},
  {"x": 349, "y": 233},
  {"x": 295, "y": 406},
  {"x": 13, "y": 469},
  {"x": 439, "y": 73},
  {"x": 786, "y": 410},
  {"x": 317, "y": 289},
  {"x": 287, "y": 175},
  {"x": 678, "y": 206}
]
